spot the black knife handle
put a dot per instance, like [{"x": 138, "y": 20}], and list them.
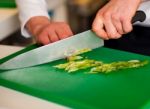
[{"x": 139, "y": 16}]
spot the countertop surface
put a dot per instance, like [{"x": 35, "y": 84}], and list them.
[
  {"x": 6, "y": 50},
  {"x": 7, "y": 12}
]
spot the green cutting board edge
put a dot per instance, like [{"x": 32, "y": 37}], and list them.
[
  {"x": 124, "y": 89},
  {"x": 7, "y": 4}
]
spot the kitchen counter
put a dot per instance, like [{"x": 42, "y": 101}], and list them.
[
  {"x": 11, "y": 99},
  {"x": 6, "y": 50}
]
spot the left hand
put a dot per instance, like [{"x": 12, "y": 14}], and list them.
[
  {"x": 46, "y": 31},
  {"x": 114, "y": 19}
]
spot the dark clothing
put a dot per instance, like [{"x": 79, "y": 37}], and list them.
[{"x": 137, "y": 41}]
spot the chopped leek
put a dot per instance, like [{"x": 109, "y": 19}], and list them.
[
  {"x": 114, "y": 66},
  {"x": 74, "y": 58},
  {"x": 77, "y": 62},
  {"x": 78, "y": 52},
  {"x": 73, "y": 66}
]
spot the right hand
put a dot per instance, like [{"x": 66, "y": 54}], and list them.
[
  {"x": 46, "y": 32},
  {"x": 114, "y": 19}
]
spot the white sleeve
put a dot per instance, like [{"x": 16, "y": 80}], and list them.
[
  {"x": 145, "y": 6},
  {"x": 29, "y": 9}
]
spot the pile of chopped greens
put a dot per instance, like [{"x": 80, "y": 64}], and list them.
[
  {"x": 76, "y": 62},
  {"x": 114, "y": 66},
  {"x": 72, "y": 66}
]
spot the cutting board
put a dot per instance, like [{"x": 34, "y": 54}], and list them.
[{"x": 124, "y": 89}]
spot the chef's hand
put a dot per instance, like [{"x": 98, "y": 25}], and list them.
[
  {"x": 46, "y": 31},
  {"x": 114, "y": 19}
]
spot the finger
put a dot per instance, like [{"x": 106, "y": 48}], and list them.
[
  {"x": 43, "y": 38},
  {"x": 98, "y": 27},
  {"x": 127, "y": 26},
  {"x": 110, "y": 28},
  {"x": 117, "y": 23},
  {"x": 53, "y": 36},
  {"x": 61, "y": 33},
  {"x": 68, "y": 31}
]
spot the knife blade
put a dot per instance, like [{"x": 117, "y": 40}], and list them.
[{"x": 54, "y": 51}]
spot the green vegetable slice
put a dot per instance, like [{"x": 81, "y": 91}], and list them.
[
  {"x": 77, "y": 62},
  {"x": 81, "y": 51},
  {"x": 73, "y": 66},
  {"x": 74, "y": 58},
  {"x": 106, "y": 68}
]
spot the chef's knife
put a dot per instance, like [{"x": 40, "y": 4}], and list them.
[
  {"x": 54, "y": 51},
  {"x": 57, "y": 50}
]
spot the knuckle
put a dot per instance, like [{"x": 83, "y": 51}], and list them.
[
  {"x": 95, "y": 29},
  {"x": 100, "y": 16},
  {"x": 36, "y": 31},
  {"x": 115, "y": 17},
  {"x": 106, "y": 15},
  {"x": 43, "y": 32},
  {"x": 119, "y": 29},
  {"x": 48, "y": 27},
  {"x": 110, "y": 35},
  {"x": 122, "y": 18}
]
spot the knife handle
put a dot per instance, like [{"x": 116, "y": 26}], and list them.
[{"x": 139, "y": 16}]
